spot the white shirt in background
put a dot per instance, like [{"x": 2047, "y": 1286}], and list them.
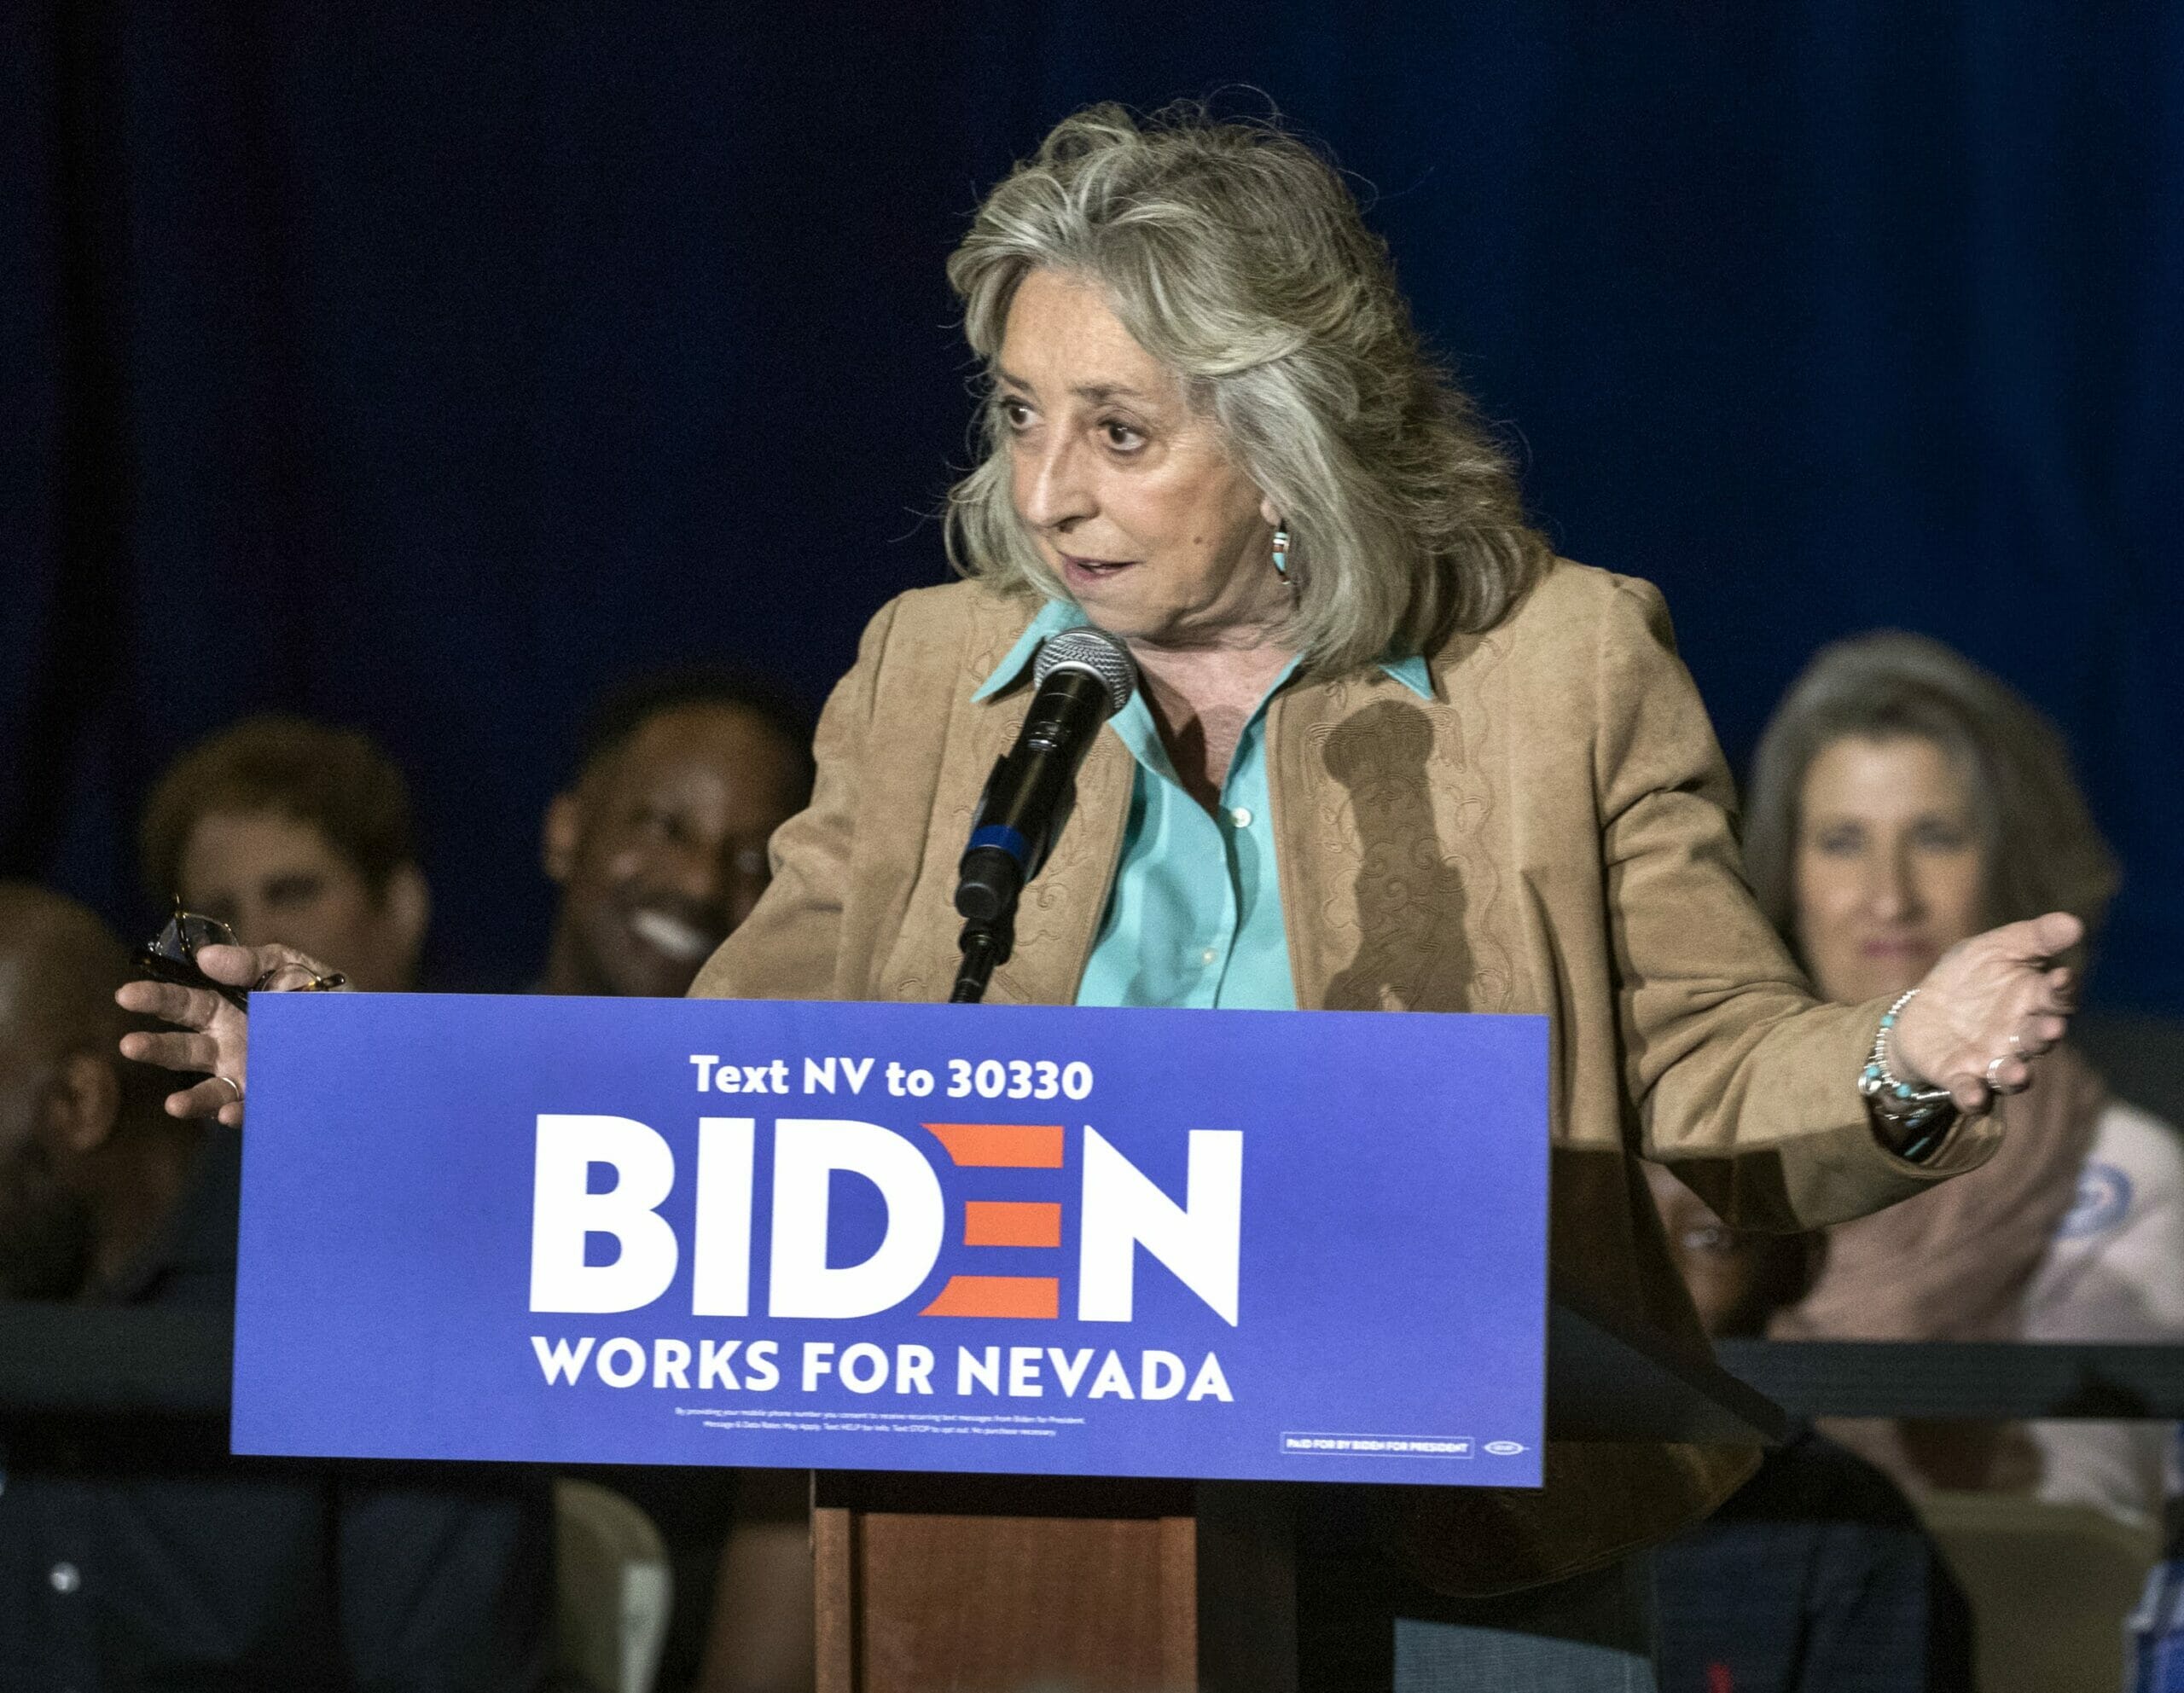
[{"x": 2114, "y": 1271}]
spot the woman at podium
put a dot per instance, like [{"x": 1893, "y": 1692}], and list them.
[{"x": 1386, "y": 752}]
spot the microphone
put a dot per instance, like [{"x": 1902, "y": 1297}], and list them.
[{"x": 1084, "y": 677}]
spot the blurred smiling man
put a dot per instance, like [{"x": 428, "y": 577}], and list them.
[
  {"x": 298, "y": 832},
  {"x": 659, "y": 844}
]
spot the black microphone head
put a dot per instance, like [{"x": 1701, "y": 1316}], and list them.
[{"x": 1097, "y": 653}]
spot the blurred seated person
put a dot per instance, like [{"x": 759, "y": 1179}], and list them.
[
  {"x": 137, "y": 1553},
  {"x": 659, "y": 843},
  {"x": 298, "y": 832},
  {"x": 1816, "y": 1576},
  {"x": 1902, "y": 800},
  {"x": 660, "y": 846}
]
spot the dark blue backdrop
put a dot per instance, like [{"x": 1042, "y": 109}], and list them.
[{"x": 427, "y": 367}]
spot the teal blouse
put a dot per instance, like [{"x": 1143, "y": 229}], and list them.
[{"x": 1195, "y": 917}]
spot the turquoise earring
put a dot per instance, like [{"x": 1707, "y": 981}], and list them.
[{"x": 1282, "y": 553}]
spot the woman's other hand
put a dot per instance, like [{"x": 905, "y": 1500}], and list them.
[
  {"x": 1989, "y": 1005},
  {"x": 216, "y": 1038}
]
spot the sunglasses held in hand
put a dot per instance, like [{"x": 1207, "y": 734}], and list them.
[{"x": 172, "y": 956}]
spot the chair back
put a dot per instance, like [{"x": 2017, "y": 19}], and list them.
[
  {"x": 614, "y": 1590},
  {"x": 2050, "y": 1584}
]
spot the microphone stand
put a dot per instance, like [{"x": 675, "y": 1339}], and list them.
[
  {"x": 990, "y": 881},
  {"x": 986, "y": 943}
]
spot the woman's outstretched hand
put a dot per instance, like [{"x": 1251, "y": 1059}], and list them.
[
  {"x": 1988, "y": 1007},
  {"x": 215, "y": 1041}
]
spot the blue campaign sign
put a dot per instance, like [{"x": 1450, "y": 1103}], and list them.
[{"x": 1236, "y": 1244}]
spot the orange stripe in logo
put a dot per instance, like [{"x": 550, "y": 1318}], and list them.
[
  {"x": 997, "y": 1296},
  {"x": 1001, "y": 1146},
  {"x": 1010, "y": 1222}
]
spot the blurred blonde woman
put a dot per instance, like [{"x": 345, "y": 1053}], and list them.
[{"x": 1903, "y": 800}]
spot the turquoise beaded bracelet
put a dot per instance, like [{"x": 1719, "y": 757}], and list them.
[{"x": 1894, "y": 1100}]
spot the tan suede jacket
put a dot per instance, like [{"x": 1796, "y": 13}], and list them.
[{"x": 1552, "y": 834}]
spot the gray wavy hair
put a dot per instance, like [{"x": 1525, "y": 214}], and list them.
[
  {"x": 1234, "y": 255},
  {"x": 2043, "y": 851}
]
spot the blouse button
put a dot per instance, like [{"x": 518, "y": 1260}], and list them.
[{"x": 1241, "y": 817}]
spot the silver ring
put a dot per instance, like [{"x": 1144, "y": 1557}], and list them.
[
  {"x": 1997, "y": 1088},
  {"x": 231, "y": 1082}
]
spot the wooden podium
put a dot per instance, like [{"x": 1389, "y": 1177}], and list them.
[{"x": 933, "y": 1582}]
